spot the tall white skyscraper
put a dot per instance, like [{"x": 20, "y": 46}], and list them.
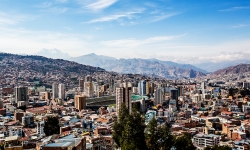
[
  {"x": 61, "y": 92},
  {"x": 54, "y": 90}
]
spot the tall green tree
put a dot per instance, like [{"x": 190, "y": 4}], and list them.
[
  {"x": 183, "y": 142},
  {"x": 118, "y": 126},
  {"x": 166, "y": 140},
  {"x": 128, "y": 130},
  {"x": 51, "y": 126},
  {"x": 158, "y": 136},
  {"x": 152, "y": 135}
]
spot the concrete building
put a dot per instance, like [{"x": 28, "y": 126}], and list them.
[
  {"x": 159, "y": 96},
  {"x": 40, "y": 127},
  {"x": 54, "y": 90},
  {"x": 246, "y": 85},
  {"x": 203, "y": 140},
  {"x": 61, "y": 91},
  {"x": 28, "y": 120},
  {"x": 81, "y": 85},
  {"x": 180, "y": 91},
  {"x": 88, "y": 87},
  {"x": 111, "y": 85},
  {"x": 124, "y": 95},
  {"x": 80, "y": 102},
  {"x": 174, "y": 94},
  {"x": 21, "y": 94},
  {"x": 142, "y": 88}
]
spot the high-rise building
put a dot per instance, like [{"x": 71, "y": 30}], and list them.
[
  {"x": 203, "y": 85},
  {"x": 40, "y": 127},
  {"x": 80, "y": 102},
  {"x": 111, "y": 85},
  {"x": 180, "y": 91},
  {"x": 54, "y": 90},
  {"x": 61, "y": 91},
  {"x": 88, "y": 87},
  {"x": 81, "y": 85},
  {"x": 47, "y": 95},
  {"x": 147, "y": 87},
  {"x": 159, "y": 96},
  {"x": 246, "y": 85},
  {"x": 21, "y": 94},
  {"x": 142, "y": 88},
  {"x": 151, "y": 89},
  {"x": 124, "y": 95},
  {"x": 174, "y": 96},
  {"x": 88, "y": 79}
]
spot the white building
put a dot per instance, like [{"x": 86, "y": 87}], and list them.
[
  {"x": 203, "y": 140},
  {"x": 54, "y": 90},
  {"x": 61, "y": 91},
  {"x": 40, "y": 128}
]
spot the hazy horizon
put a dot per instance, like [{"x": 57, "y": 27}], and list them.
[{"x": 178, "y": 31}]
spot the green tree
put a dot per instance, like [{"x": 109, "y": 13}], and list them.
[
  {"x": 166, "y": 140},
  {"x": 134, "y": 131},
  {"x": 158, "y": 137},
  {"x": 152, "y": 135},
  {"x": 128, "y": 130},
  {"x": 51, "y": 126},
  {"x": 216, "y": 147},
  {"x": 118, "y": 125},
  {"x": 183, "y": 142}
]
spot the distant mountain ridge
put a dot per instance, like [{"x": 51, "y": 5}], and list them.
[
  {"x": 166, "y": 69},
  {"x": 42, "y": 65},
  {"x": 214, "y": 66},
  {"x": 237, "y": 69}
]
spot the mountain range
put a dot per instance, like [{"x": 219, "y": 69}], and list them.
[
  {"x": 152, "y": 67},
  {"x": 238, "y": 69}
]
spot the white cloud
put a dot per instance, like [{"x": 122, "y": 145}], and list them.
[
  {"x": 50, "y": 7},
  {"x": 239, "y": 26},
  {"x": 55, "y": 10},
  {"x": 164, "y": 16},
  {"x": 100, "y": 4},
  {"x": 62, "y": 1},
  {"x": 13, "y": 18},
  {"x": 128, "y": 15},
  {"x": 236, "y": 8},
  {"x": 128, "y": 43},
  {"x": 29, "y": 42}
]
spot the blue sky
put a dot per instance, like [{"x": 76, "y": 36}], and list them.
[{"x": 178, "y": 30}]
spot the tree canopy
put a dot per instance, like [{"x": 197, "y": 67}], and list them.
[
  {"x": 51, "y": 126},
  {"x": 130, "y": 132}
]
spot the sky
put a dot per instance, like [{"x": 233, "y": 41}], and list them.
[{"x": 184, "y": 31}]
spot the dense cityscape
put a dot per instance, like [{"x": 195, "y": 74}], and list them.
[
  {"x": 46, "y": 110},
  {"x": 124, "y": 75}
]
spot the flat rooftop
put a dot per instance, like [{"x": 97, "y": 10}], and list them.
[{"x": 64, "y": 144}]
